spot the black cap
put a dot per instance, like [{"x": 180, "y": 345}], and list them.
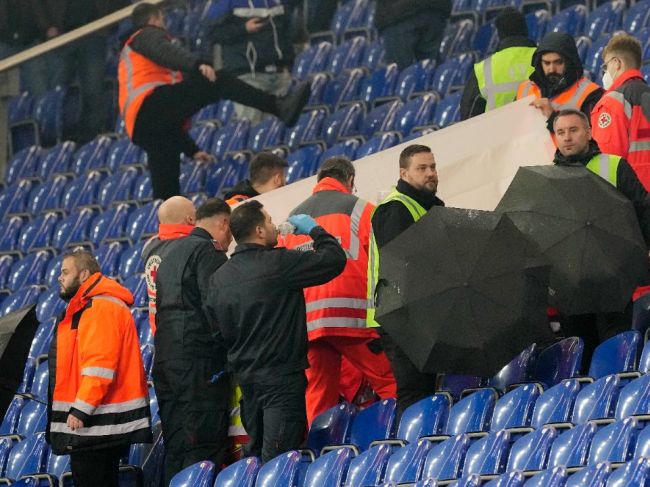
[{"x": 511, "y": 22}]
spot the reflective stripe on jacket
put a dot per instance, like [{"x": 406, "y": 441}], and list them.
[
  {"x": 605, "y": 166},
  {"x": 417, "y": 211},
  {"x": 138, "y": 76},
  {"x": 338, "y": 308},
  {"x": 573, "y": 97},
  {"x": 97, "y": 370},
  {"x": 500, "y": 75}
]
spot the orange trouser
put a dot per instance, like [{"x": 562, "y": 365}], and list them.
[{"x": 324, "y": 372}]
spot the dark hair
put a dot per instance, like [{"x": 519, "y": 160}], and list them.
[
  {"x": 511, "y": 22},
  {"x": 571, "y": 111},
  {"x": 142, "y": 13},
  {"x": 245, "y": 218},
  {"x": 410, "y": 151},
  {"x": 264, "y": 165},
  {"x": 83, "y": 259},
  {"x": 339, "y": 168},
  {"x": 212, "y": 207}
]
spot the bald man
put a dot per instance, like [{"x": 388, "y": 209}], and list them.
[{"x": 176, "y": 219}]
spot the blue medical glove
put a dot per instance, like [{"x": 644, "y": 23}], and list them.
[{"x": 304, "y": 224}]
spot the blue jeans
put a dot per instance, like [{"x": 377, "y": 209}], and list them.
[
  {"x": 33, "y": 74},
  {"x": 414, "y": 38}
]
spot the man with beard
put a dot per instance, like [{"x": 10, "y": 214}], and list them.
[
  {"x": 98, "y": 401},
  {"x": 414, "y": 195},
  {"x": 558, "y": 82},
  {"x": 257, "y": 301}
]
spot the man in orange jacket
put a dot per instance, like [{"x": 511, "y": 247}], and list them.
[
  {"x": 98, "y": 401},
  {"x": 161, "y": 85},
  {"x": 621, "y": 119},
  {"x": 336, "y": 311}
]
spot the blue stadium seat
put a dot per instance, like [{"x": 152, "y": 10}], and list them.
[
  {"x": 107, "y": 256},
  {"x": 319, "y": 82},
  {"x": 381, "y": 119},
  {"x": 515, "y": 409},
  {"x": 570, "y": 20},
  {"x": 469, "y": 481},
  {"x": 314, "y": 59},
  {"x": 571, "y": 448},
  {"x": 510, "y": 479},
  {"x": 606, "y": 18},
  {"x": 32, "y": 420},
  {"x": 81, "y": 191},
  {"x": 40, "y": 382},
  {"x": 644, "y": 361},
  {"x": 426, "y": 417},
  {"x": 26, "y": 457},
  {"x": 21, "y": 107},
  {"x": 446, "y": 76},
  {"x": 347, "y": 55},
  {"x": 634, "y": 472},
  {"x": 28, "y": 376},
  {"x": 306, "y": 129},
  {"x": 531, "y": 452},
  {"x": 445, "y": 459},
  {"x": 142, "y": 222},
  {"x": 381, "y": 83},
  {"x": 488, "y": 455},
  {"x": 346, "y": 148},
  {"x": 328, "y": 470},
  {"x": 368, "y": 468},
  {"x": 143, "y": 190},
  {"x": 559, "y": 361},
  {"x": 537, "y": 22},
  {"x": 9, "y": 423},
  {"x": 406, "y": 463},
  {"x": 343, "y": 89},
  {"x": 448, "y": 111},
  {"x": 594, "y": 56},
  {"x": 117, "y": 187},
  {"x": 131, "y": 261},
  {"x": 52, "y": 271},
  {"x": 6, "y": 262},
  {"x": 485, "y": 41},
  {"x": 516, "y": 371},
  {"x": 47, "y": 195},
  {"x": 616, "y": 355},
  {"x": 415, "y": 79},
  {"x": 198, "y": 475},
  {"x": 11, "y": 231},
  {"x": 634, "y": 398},
  {"x": 203, "y": 135},
  {"x": 49, "y": 305},
  {"x": 145, "y": 335},
  {"x": 138, "y": 287},
  {"x": 147, "y": 352},
  {"x": 556, "y": 404},
  {"x": 42, "y": 337},
  {"x": 240, "y": 474},
  {"x": 553, "y": 477},
  {"x": 472, "y": 413},
  {"x": 56, "y": 467},
  {"x": 28, "y": 271},
  {"x": 72, "y": 230},
  {"x": 192, "y": 177},
  {"x": 417, "y": 112},
  {"x": 373, "y": 423},
  {"x": 373, "y": 56},
  {"x": 56, "y": 160},
  {"x": 583, "y": 44},
  {"x": 230, "y": 138},
  {"x": 301, "y": 162},
  {"x": 109, "y": 225},
  {"x": 377, "y": 143},
  {"x": 458, "y": 385},
  {"x": 91, "y": 155},
  {"x": 268, "y": 133},
  {"x": 614, "y": 442},
  {"x": 38, "y": 233},
  {"x": 594, "y": 476},
  {"x": 637, "y": 17},
  {"x": 23, "y": 164},
  {"x": 26, "y": 296},
  {"x": 206, "y": 114},
  {"x": 282, "y": 471},
  {"x": 596, "y": 400}
]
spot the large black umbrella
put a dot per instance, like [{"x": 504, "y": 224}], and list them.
[
  {"x": 587, "y": 230},
  {"x": 17, "y": 331},
  {"x": 462, "y": 291}
]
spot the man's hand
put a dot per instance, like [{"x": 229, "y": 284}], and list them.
[
  {"x": 203, "y": 157},
  {"x": 74, "y": 423},
  {"x": 543, "y": 104},
  {"x": 255, "y": 24},
  {"x": 208, "y": 71}
]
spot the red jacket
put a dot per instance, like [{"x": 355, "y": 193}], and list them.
[
  {"x": 338, "y": 308},
  {"x": 619, "y": 125}
]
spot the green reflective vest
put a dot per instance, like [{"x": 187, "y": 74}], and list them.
[
  {"x": 417, "y": 211},
  {"x": 500, "y": 75},
  {"x": 605, "y": 166}
]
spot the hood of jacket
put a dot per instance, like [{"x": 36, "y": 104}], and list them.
[
  {"x": 96, "y": 285},
  {"x": 243, "y": 187},
  {"x": 582, "y": 159},
  {"x": 564, "y": 45},
  {"x": 330, "y": 184}
]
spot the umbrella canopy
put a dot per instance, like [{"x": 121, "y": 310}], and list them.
[
  {"x": 586, "y": 229},
  {"x": 462, "y": 292}
]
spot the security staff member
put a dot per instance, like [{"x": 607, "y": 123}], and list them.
[
  {"x": 98, "y": 403},
  {"x": 161, "y": 85},
  {"x": 176, "y": 217},
  {"x": 193, "y": 390},
  {"x": 257, "y": 300},
  {"x": 494, "y": 81},
  {"x": 414, "y": 195}
]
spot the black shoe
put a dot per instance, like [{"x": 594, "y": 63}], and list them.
[{"x": 289, "y": 107}]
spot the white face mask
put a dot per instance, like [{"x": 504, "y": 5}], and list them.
[{"x": 608, "y": 81}]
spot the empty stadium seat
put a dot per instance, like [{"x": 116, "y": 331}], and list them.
[
  {"x": 614, "y": 442},
  {"x": 38, "y": 233},
  {"x": 198, "y": 475},
  {"x": 123, "y": 152},
  {"x": 373, "y": 423},
  {"x": 417, "y": 112},
  {"x": 515, "y": 409},
  {"x": 72, "y": 230},
  {"x": 471, "y": 414},
  {"x": 32, "y": 420},
  {"x": 368, "y": 468},
  {"x": 634, "y": 398},
  {"x": 554, "y": 477},
  {"x": 347, "y": 148},
  {"x": 596, "y": 400},
  {"x": 19, "y": 299},
  {"x": 347, "y": 55},
  {"x": 26, "y": 457},
  {"x": 312, "y": 60},
  {"x": 117, "y": 187},
  {"x": 142, "y": 222},
  {"x": 594, "y": 476},
  {"x": 457, "y": 385},
  {"x": 28, "y": 271},
  {"x": 634, "y": 472},
  {"x": 426, "y": 417},
  {"x": 42, "y": 337},
  {"x": 231, "y": 137},
  {"x": 488, "y": 455},
  {"x": 107, "y": 256},
  {"x": 559, "y": 361},
  {"x": 379, "y": 84},
  {"x": 406, "y": 463},
  {"x": 516, "y": 371},
  {"x": 24, "y": 163},
  {"x": 8, "y": 425},
  {"x": 328, "y": 470},
  {"x": 615, "y": 355},
  {"x": 509, "y": 479},
  {"x": 47, "y": 195},
  {"x": 49, "y": 305},
  {"x": 571, "y": 448},
  {"x": 447, "y": 111},
  {"x": 555, "y": 405},
  {"x": 301, "y": 162},
  {"x": 381, "y": 119},
  {"x": 131, "y": 261},
  {"x": 192, "y": 177},
  {"x": 137, "y": 285},
  {"x": 376, "y": 144},
  {"x": 570, "y": 20},
  {"x": 56, "y": 160},
  {"x": 594, "y": 57},
  {"x": 40, "y": 382},
  {"x": 606, "y": 18},
  {"x": 268, "y": 133},
  {"x": 531, "y": 452},
  {"x": 306, "y": 129},
  {"x": 91, "y": 155},
  {"x": 445, "y": 460},
  {"x": 240, "y": 474},
  {"x": 637, "y": 17},
  {"x": 281, "y": 471}
]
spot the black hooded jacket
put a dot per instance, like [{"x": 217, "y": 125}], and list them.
[
  {"x": 243, "y": 188},
  {"x": 627, "y": 182},
  {"x": 564, "y": 45}
]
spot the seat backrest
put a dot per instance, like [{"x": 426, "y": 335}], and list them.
[
  {"x": 416, "y": 112},
  {"x": 615, "y": 442},
  {"x": 618, "y": 354},
  {"x": 472, "y": 413},
  {"x": 200, "y": 474},
  {"x": 240, "y": 474},
  {"x": 368, "y": 467},
  {"x": 346, "y": 148},
  {"x": 488, "y": 455},
  {"x": 445, "y": 459},
  {"x": 33, "y": 418},
  {"x": 27, "y": 456},
  {"x": 516, "y": 371},
  {"x": 10, "y": 419},
  {"x": 406, "y": 463},
  {"x": 643, "y": 443},
  {"x": 447, "y": 111},
  {"x": 594, "y": 476},
  {"x": 515, "y": 409},
  {"x": 107, "y": 256},
  {"x": 131, "y": 261},
  {"x": 373, "y": 423},
  {"x": 57, "y": 464},
  {"x": 555, "y": 405},
  {"x": 553, "y": 477},
  {"x": 426, "y": 417},
  {"x": 530, "y": 452},
  {"x": 50, "y": 305},
  {"x": 26, "y": 296},
  {"x": 559, "y": 361},
  {"x": 41, "y": 381},
  {"x": 328, "y": 470},
  {"x": 282, "y": 471},
  {"x": 637, "y": 17},
  {"x": 331, "y": 427},
  {"x": 634, "y": 398},
  {"x": 381, "y": 118},
  {"x": 634, "y": 472},
  {"x": 571, "y": 448},
  {"x": 307, "y": 128},
  {"x": 376, "y": 144},
  {"x": 597, "y": 400},
  {"x": 570, "y": 20}
]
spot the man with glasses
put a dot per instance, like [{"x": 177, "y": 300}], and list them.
[{"x": 621, "y": 119}]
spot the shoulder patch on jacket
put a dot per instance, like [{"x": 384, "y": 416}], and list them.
[{"x": 604, "y": 120}]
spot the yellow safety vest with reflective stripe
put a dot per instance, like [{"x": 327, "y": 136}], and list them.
[
  {"x": 500, "y": 75},
  {"x": 417, "y": 211},
  {"x": 605, "y": 166}
]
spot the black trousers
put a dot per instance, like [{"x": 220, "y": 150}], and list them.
[
  {"x": 97, "y": 468},
  {"x": 412, "y": 385},
  {"x": 274, "y": 415},
  {"x": 194, "y": 412},
  {"x": 159, "y": 127}
]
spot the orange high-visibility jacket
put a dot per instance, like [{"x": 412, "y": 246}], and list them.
[
  {"x": 621, "y": 127},
  {"x": 338, "y": 308},
  {"x": 137, "y": 77},
  {"x": 572, "y": 97},
  {"x": 96, "y": 371}
]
